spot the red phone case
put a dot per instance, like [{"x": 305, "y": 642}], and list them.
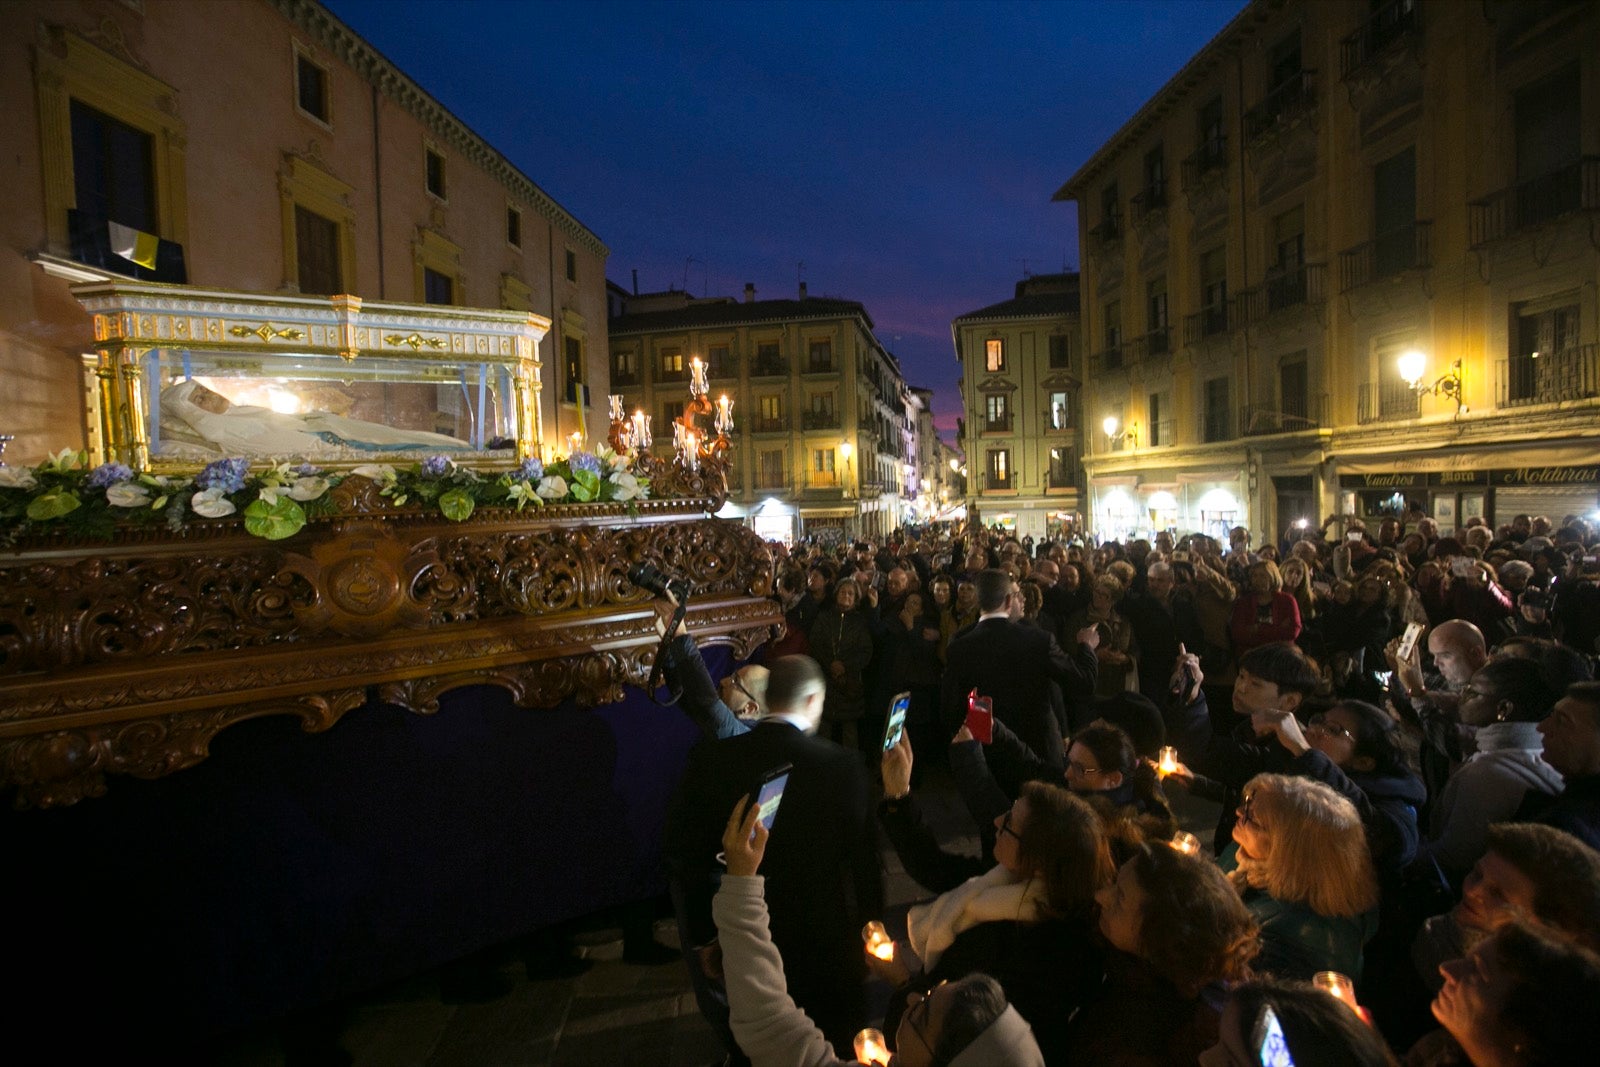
[{"x": 980, "y": 717}]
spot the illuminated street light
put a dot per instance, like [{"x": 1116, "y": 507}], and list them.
[
  {"x": 1413, "y": 364},
  {"x": 1110, "y": 425}
]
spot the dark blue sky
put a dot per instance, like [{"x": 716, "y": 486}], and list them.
[{"x": 905, "y": 152}]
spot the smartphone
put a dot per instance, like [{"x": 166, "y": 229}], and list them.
[
  {"x": 1354, "y": 535},
  {"x": 1462, "y": 566},
  {"x": 897, "y": 720},
  {"x": 1408, "y": 641},
  {"x": 770, "y": 793},
  {"x": 1272, "y": 1048},
  {"x": 980, "y": 717}
]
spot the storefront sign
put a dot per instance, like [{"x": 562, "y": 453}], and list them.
[
  {"x": 1546, "y": 476},
  {"x": 1469, "y": 479},
  {"x": 1382, "y": 481}
]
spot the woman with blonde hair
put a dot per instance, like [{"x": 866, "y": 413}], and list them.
[{"x": 1300, "y": 863}]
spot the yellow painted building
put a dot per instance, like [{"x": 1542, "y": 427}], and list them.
[
  {"x": 1324, "y": 189},
  {"x": 1022, "y": 367},
  {"x": 825, "y": 426},
  {"x": 270, "y": 150}
]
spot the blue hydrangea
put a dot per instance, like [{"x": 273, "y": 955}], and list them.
[
  {"x": 584, "y": 461},
  {"x": 532, "y": 470},
  {"x": 307, "y": 470},
  {"x": 434, "y": 466},
  {"x": 225, "y": 474},
  {"x": 109, "y": 474}
]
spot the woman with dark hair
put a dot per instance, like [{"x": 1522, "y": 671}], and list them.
[
  {"x": 1363, "y": 743},
  {"x": 1505, "y": 701},
  {"x": 1179, "y": 935},
  {"x": 842, "y": 643},
  {"x": 1311, "y": 1028},
  {"x": 1028, "y": 920}
]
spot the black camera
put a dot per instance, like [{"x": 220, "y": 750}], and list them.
[{"x": 645, "y": 575}]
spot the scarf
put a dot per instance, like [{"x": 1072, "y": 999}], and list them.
[{"x": 993, "y": 897}]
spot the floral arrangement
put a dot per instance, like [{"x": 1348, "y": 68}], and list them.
[{"x": 275, "y": 501}]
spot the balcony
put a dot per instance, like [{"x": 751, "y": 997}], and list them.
[
  {"x": 1208, "y": 161},
  {"x": 1570, "y": 374},
  {"x": 771, "y": 480},
  {"x": 90, "y": 240},
  {"x": 1288, "y": 102},
  {"x": 1063, "y": 479},
  {"x": 822, "y": 366},
  {"x": 672, "y": 374},
  {"x": 1160, "y": 433},
  {"x": 1384, "y": 401},
  {"x": 769, "y": 425},
  {"x": 1108, "y": 230},
  {"x": 1217, "y": 425},
  {"x": 995, "y": 483},
  {"x": 769, "y": 368},
  {"x": 1386, "y": 28},
  {"x": 1207, "y": 322},
  {"x": 1108, "y": 359},
  {"x": 1570, "y": 189},
  {"x": 819, "y": 420},
  {"x": 722, "y": 370},
  {"x": 1000, "y": 425},
  {"x": 620, "y": 381},
  {"x": 1144, "y": 204},
  {"x": 1157, "y": 342},
  {"x": 1296, "y": 414},
  {"x": 1300, "y": 287},
  {"x": 1401, "y": 249},
  {"x": 824, "y": 480}
]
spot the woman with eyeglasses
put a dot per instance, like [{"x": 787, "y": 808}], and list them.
[
  {"x": 1504, "y": 702},
  {"x": 1299, "y": 861},
  {"x": 962, "y": 1023},
  {"x": 1363, "y": 742},
  {"x": 1028, "y": 920}
]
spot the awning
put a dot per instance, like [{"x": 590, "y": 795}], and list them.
[{"x": 1527, "y": 455}]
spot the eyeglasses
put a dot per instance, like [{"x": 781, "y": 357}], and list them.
[
  {"x": 918, "y": 1006},
  {"x": 737, "y": 684},
  {"x": 1005, "y": 827},
  {"x": 1246, "y": 816},
  {"x": 1323, "y": 724},
  {"x": 1074, "y": 767}
]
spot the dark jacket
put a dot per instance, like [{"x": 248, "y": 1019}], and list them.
[
  {"x": 1139, "y": 1019},
  {"x": 847, "y": 638},
  {"x": 1576, "y": 809}
]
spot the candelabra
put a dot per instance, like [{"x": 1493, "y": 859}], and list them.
[{"x": 693, "y": 446}]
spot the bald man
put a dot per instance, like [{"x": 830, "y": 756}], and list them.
[{"x": 1430, "y": 705}]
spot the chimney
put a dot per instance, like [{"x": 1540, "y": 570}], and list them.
[
  {"x": 749, "y": 292},
  {"x": 636, "y": 281},
  {"x": 802, "y": 290}
]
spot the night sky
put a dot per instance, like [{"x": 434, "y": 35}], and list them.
[{"x": 905, "y": 153}]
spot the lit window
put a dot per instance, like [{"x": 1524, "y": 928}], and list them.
[{"x": 994, "y": 353}]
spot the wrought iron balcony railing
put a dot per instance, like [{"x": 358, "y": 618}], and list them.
[
  {"x": 1570, "y": 374},
  {"x": 1385, "y": 28},
  {"x": 1108, "y": 359},
  {"x": 1287, "y": 101},
  {"x": 991, "y": 481},
  {"x": 1575, "y": 187},
  {"x": 1157, "y": 342},
  {"x": 819, "y": 420},
  {"x": 1218, "y": 425},
  {"x": 1288, "y": 289},
  {"x": 1000, "y": 425},
  {"x": 1400, "y": 249},
  {"x": 1152, "y": 199},
  {"x": 1159, "y": 434},
  {"x": 1210, "y": 158},
  {"x": 1384, "y": 401},
  {"x": 1295, "y": 414},
  {"x": 777, "y": 425},
  {"x": 1206, "y": 322},
  {"x": 770, "y": 368}
]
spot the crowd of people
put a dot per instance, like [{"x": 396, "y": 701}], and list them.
[{"x": 1402, "y": 731}]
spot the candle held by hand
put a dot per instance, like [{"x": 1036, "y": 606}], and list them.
[
  {"x": 871, "y": 1047},
  {"x": 1168, "y": 761}
]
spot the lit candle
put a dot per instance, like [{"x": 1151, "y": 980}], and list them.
[
  {"x": 870, "y": 1047},
  {"x": 879, "y": 943},
  {"x": 1168, "y": 761},
  {"x": 691, "y": 449},
  {"x": 641, "y": 430},
  {"x": 1185, "y": 842},
  {"x": 575, "y": 440},
  {"x": 1337, "y": 986},
  {"x": 616, "y": 408},
  {"x": 697, "y": 380},
  {"x": 724, "y": 414}
]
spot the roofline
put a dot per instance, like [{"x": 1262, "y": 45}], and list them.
[
  {"x": 344, "y": 42},
  {"x": 975, "y": 316},
  {"x": 1200, "y": 66},
  {"x": 857, "y": 313}
]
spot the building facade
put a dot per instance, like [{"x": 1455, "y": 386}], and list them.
[
  {"x": 825, "y": 427},
  {"x": 1021, "y": 374},
  {"x": 1345, "y": 261},
  {"x": 259, "y": 146}
]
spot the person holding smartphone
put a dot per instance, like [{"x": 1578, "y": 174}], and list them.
[{"x": 1293, "y": 1024}]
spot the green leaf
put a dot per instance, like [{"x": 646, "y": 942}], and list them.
[
  {"x": 274, "y": 521},
  {"x": 584, "y": 485},
  {"x": 457, "y": 505},
  {"x": 52, "y": 505}
]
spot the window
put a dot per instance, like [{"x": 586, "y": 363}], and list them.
[
  {"x": 1062, "y": 474},
  {"x": 1060, "y": 412},
  {"x": 1211, "y": 136},
  {"x": 1286, "y": 62},
  {"x": 1213, "y": 292},
  {"x": 994, "y": 354},
  {"x": 1286, "y": 279},
  {"x": 821, "y": 415},
  {"x": 513, "y": 227},
  {"x": 437, "y": 288},
  {"x": 572, "y": 265},
  {"x": 311, "y": 87},
  {"x": 316, "y": 242},
  {"x": 822, "y": 460},
  {"x": 1110, "y": 213},
  {"x": 671, "y": 363},
  {"x": 769, "y": 360},
  {"x": 1155, "y": 178},
  {"x": 773, "y": 471},
  {"x": 1111, "y": 334},
  {"x": 1155, "y": 314},
  {"x": 572, "y": 364},
  {"x": 1394, "y": 213},
  {"x": 1294, "y": 393},
  {"x": 1060, "y": 351},
  {"x": 624, "y": 367},
  {"x": 435, "y": 173},
  {"x": 999, "y": 468},
  {"x": 1154, "y": 433},
  {"x": 1543, "y": 365},
  {"x": 113, "y": 170},
  {"x": 996, "y": 414},
  {"x": 1396, "y": 398},
  {"x": 1217, "y": 413},
  {"x": 719, "y": 362},
  {"x": 819, "y": 356},
  {"x": 769, "y": 413},
  {"x": 671, "y": 412},
  {"x": 1549, "y": 147}
]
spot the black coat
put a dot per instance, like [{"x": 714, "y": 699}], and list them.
[
  {"x": 823, "y": 880},
  {"x": 1015, "y": 665}
]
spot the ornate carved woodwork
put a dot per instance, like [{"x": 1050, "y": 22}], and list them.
[{"x": 129, "y": 658}]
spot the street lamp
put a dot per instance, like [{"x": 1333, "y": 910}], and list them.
[
  {"x": 1413, "y": 364},
  {"x": 1130, "y": 435},
  {"x": 846, "y": 450}
]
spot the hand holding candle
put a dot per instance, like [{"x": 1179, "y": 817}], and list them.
[
  {"x": 878, "y": 941},
  {"x": 871, "y": 1049},
  {"x": 1168, "y": 761},
  {"x": 1185, "y": 842},
  {"x": 1342, "y": 989}
]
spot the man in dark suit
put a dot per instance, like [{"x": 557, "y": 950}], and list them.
[
  {"x": 823, "y": 880},
  {"x": 1015, "y": 665}
]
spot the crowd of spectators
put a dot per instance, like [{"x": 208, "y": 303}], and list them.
[{"x": 1402, "y": 730}]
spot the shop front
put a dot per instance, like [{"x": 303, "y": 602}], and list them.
[{"x": 1454, "y": 496}]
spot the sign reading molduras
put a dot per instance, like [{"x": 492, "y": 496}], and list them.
[{"x": 1457, "y": 479}]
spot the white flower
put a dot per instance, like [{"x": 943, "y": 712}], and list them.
[
  {"x": 523, "y": 494},
  {"x": 17, "y": 478},
  {"x": 127, "y": 495},
  {"x": 269, "y": 494},
  {"x": 378, "y": 472},
  {"x": 617, "y": 461},
  {"x": 627, "y": 486},
  {"x": 307, "y": 488},
  {"x": 212, "y": 503},
  {"x": 552, "y": 487}
]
